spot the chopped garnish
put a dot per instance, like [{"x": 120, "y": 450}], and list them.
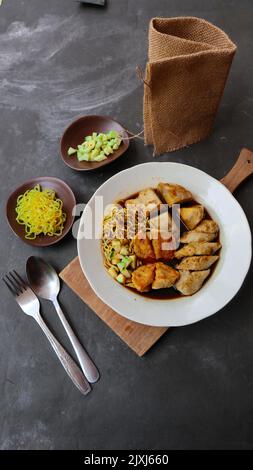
[
  {"x": 121, "y": 279},
  {"x": 96, "y": 147},
  {"x": 71, "y": 151}
]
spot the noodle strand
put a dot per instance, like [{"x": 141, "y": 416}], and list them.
[{"x": 41, "y": 213}]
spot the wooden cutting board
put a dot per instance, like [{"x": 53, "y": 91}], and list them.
[{"x": 140, "y": 338}]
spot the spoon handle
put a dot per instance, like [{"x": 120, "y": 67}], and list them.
[
  {"x": 88, "y": 367},
  {"x": 69, "y": 365}
]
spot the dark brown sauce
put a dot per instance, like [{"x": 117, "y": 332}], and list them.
[{"x": 170, "y": 293}]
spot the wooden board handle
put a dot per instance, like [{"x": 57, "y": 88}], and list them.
[{"x": 240, "y": 171}]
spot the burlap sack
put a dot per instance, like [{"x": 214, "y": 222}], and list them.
[{"x": 189, "y": 61}]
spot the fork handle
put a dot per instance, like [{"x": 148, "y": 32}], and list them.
[
  {"x": 87, "y": 365},
  {"x": 69, "y": 365}
]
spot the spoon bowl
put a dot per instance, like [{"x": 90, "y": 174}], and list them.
[{"x": 43, "y": 278}]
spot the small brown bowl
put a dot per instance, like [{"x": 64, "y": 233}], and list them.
[
  {"x": 76, "y": 132},
  {"x": 62, "y": 191}
]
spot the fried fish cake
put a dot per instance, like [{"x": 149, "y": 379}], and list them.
[
  {"x": 192, "y": 216},
  {"x": 143, "y": 247},
  {"x": 207, "y": 226},
  {"x": 174, "y": 193},
  {"x": 197, "y": 248},
  {"x": 143, "y": 277},
  {"x": 190, "y": 282},
  {"x": 147, "y": 198},
  {"x": 193, "y": 237},
  {"x": 163, "y": 246},
  {"x": 165, "y": 276},
  {"x": 161, "y": 223},
  {"x": 197, "y": 263}
]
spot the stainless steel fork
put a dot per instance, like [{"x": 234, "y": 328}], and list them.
[{"x": 30, "y": 305}]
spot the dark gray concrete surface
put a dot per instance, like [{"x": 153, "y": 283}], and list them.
[{"x": 194, "y": 389}]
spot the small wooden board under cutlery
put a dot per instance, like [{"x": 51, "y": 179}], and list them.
[{"x": 140, "y": 338}]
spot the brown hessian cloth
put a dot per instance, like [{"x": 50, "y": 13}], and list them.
[{"x": 189, "y": 61}]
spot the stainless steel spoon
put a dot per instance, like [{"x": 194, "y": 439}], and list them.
[{"x": 46, "y": 284}]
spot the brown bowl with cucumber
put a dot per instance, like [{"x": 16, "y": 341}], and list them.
[{"x": 91, "y": 142}]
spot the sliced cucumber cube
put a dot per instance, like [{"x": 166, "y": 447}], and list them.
[
  {"x": 71, "y": 151},
  {"x": 121, "y": 279},
  {"x": 83, "y": 157},
  {"x": 99, "y": 158}
]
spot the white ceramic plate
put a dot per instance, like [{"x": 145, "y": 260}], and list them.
[{"x": 228, "y": 276}]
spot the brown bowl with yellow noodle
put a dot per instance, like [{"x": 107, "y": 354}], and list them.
[{"x": 55, "y": 202}]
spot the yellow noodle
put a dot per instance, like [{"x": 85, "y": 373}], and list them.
[{"x": 40, "y": 212}]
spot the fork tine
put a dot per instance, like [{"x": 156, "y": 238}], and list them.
[
  {"x": 15, "y": 282},
  {"x": 10, "y": 286},
  {"x": 21, "y": 280}
]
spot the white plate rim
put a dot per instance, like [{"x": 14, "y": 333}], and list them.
[{"x": 125, "y": 311}]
